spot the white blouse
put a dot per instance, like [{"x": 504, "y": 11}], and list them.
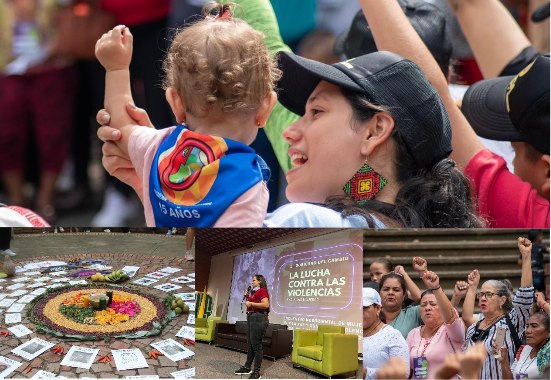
[
  {"x": 526, "y": 365},
  {"x": 379, "y": 348}
]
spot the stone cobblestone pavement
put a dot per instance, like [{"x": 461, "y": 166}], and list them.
[{"x": 148, "y": 263}]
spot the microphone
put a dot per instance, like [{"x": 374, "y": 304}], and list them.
[{"x": 248, "y": 290}]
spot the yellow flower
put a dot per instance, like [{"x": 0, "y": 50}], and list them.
[{"x": 109, "y": 316}]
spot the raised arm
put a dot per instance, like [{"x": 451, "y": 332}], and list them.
[
  {"x": 393, "y": 32},
  {"x": 493, "y": 34},
  {"x": 459, "y": 291},
  {"x": 413, "y": 290},
  {"x": 468, "y": 305},
  {"x": 114, "y": 51},
  {"x": 525, "y": 248},
  {"x": 432, "y": 281}
]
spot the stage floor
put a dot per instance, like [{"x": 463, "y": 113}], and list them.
[{"x": 221, "y": 363}]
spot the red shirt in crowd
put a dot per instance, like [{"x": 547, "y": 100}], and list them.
[
  {"x": 503, "y": 198},
  {"x": 257, "y": 297},
  {"x": 136, "y": 12}
]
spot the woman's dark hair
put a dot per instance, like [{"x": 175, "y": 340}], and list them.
[
  {"x": 436, "y": 196},
  {"x": 428, "y": 291},
  {"x": 263, "y": 285},
  {"x": 403, "y": 285},
  {"x": 386, "y": 263},
  {"x": 544, "y": 318},
  {"x": 400, "y": 279},
  {"x": 262, "y": 280}
]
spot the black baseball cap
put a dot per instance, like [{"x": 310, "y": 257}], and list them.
[
  {"x": 540, "y": 14},
  {"x": 388, "y": 80},
  {"x": 427, "y": 20},
  {"x": 512, "y": 108}
]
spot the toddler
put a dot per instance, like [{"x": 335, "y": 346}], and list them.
[{"x": 219, "y": 82}]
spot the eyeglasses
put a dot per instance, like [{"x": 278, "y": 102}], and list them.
[{"x": 486, "y": 295}]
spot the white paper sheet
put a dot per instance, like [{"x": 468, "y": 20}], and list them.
[
  {"x": 33, "y": 348},
  {"x": 15, "y": 286},
  {"x": 186, "y": 296},
  {"x": 18, "y": 293},
  {"x": 183, "y": 280},
  {"x": 37, "y": 285},
  {"x": 188, "y": 373},
  {"x": 60, "y": 273},
  {"x": 170, "y": 270},
  {"x": 62, "y": 279},
  {"x": 12, "y": 366},
  {"x": 130, "y": 270},
  {"x": 13, "y": 318},
  {"x": 38, "y": 292},
  {"x": 145, "y": 281},
  {"x": 186, "y": 332},
  {"x": 19, "y": 330},
  {"x": 7, "y": 302},
  {"x": 80, "y": 357},
  {"x": 191, "y": 305},
  {"x": 168, "y": 287},
  {"x": 16, "y": 308},
  {"x": 44, "y": 375},
  {"x": 158, "y": 275},
  {"x": 129, "y": 359},
  {"x": 32, "y": 273},
  {"x": 42, "y": 279},
  {"x": 191, "y": 319},
  {"x": 20, "y": 279},
  {"x": 173, "y": 350},
  {"x": 26, "y": 299}
]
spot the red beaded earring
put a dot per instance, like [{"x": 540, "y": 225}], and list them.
[{"x": 364, "y": 184}]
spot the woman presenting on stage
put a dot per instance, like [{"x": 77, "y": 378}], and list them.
[{"x": 258, "y": 307}]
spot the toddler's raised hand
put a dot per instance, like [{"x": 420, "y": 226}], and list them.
[{"x": 114, "y": 49}]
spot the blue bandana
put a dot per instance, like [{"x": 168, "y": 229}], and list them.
[{"x": 194, "y": 178}]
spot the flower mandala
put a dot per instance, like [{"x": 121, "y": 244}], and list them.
[{"x": 67, "y": 312}]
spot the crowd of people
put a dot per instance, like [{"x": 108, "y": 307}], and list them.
[
  {"x": 421, "y": 335},
  {"x": 376, "y": 140}
]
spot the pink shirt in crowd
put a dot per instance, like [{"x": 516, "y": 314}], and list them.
[
  {"x": 503, "y": 198},
  {"x": 249, "y": 210},
  {"x": 439, "y": 346}
]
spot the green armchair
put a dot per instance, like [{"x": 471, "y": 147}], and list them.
[
  {"x": 328, "y": 351},
  {"x": 205, "y": 327}
]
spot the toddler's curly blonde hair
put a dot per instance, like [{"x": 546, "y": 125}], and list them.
[{"x": 220, "y": 62}]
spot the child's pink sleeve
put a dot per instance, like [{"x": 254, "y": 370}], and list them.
[
  {"x": 142, "y": 146},
  {"x": 249, "y": 210}
]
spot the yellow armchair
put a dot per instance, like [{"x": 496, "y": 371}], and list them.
[
  {"x": 205, "y": 327},
  {"x": 328, "y": 351}
]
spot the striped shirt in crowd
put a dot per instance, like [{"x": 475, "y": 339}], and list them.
[{"x": 522, "y": 303}]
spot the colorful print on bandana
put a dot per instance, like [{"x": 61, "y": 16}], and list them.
[
  {"x": 188, "y": 169},
  {"x": 365, "y": 184}
]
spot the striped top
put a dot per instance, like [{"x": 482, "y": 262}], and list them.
[{"x": 522, "y": 303}]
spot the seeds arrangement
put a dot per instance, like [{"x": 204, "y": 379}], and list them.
[
  {"x": 117, "y": 308},
  {"x": 98, "y": 311}
]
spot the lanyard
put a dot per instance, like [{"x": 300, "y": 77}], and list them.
[
  {"x": 529, "y": 364},
  {"x": 428, "y": 343}
]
